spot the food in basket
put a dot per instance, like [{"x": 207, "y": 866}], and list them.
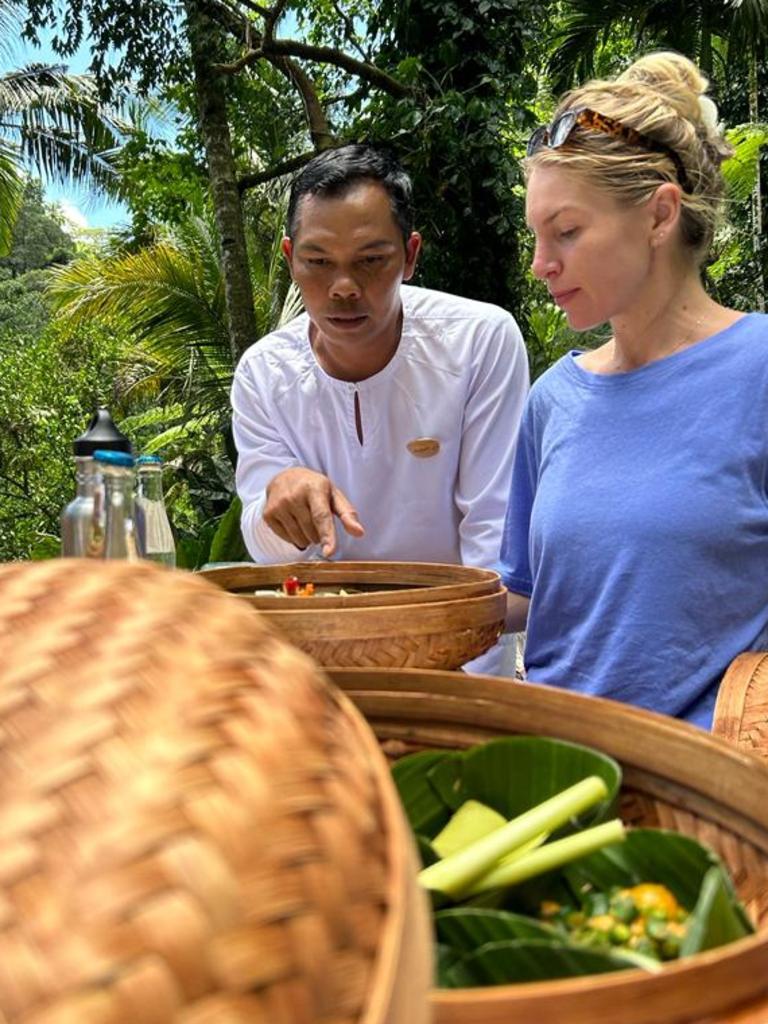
[
  {"x": 293, "y": 587},
  {"x": 532, "y": 875},
  {"x": 645, "y": 918}
]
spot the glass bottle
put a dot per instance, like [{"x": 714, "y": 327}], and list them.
[
  {"x": 153, "y": 528},
  {"x": 79, "y": 539},
  {"x": 114, "y": 507}
]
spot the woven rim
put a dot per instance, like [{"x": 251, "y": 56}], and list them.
[
  {"x": 196, "y": 828},
  {"x": 421, "y": 581}
]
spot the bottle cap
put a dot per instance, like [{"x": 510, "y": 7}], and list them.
[
  {"x": 113, "y": 458},
  {"x": 149, "y": 460},
  {"x": 101, "y": 434}
]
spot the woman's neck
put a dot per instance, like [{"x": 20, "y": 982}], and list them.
[{"x": 681, "y": 315}]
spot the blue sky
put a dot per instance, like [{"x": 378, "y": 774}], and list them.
[{"x": 81, "y": 207}]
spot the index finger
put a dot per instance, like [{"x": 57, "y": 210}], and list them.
[
  {"x": 346, "y": 512},
  {"x": 322, "y": 517}
]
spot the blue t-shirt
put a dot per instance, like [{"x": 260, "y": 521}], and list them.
[{"x": 638, "y": 523}]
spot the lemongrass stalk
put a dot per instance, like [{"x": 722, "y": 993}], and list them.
[
  {"x": 546, "y": 858},
  {"x": 456, "y": 873}
]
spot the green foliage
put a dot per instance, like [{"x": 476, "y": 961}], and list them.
[
  {"x": 38, "y": 238},
  {"x": 127, "y": 41},
  {"x": 167, "y": 300},
  {"x": 474, "y": 91},
  {"x": 48, "y": 390}
]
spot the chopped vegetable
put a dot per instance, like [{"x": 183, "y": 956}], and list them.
[
  {"x": 291, "y": 585},
  {"x": 645, "y": 918},
  {"x": 455, "y": 874}
]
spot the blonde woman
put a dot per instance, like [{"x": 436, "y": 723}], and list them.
[{"x": 636, "y": 538}]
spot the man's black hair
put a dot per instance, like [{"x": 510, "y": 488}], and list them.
[{"x": 334, "y": 172}]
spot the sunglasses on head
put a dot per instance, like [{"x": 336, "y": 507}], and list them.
[{"x": 559, "y": 131}]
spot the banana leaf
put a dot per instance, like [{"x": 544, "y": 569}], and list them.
[
  {"x": 446, "y": 959},
  {"x": 425, "y": 812},
  {"x": 467, "y": 929},
  {"x": 519, "y": 960},
  {"x": 717, "y": 918},
  {"x": 690, "y": 870},
  {"x": 510, "y": 775}
]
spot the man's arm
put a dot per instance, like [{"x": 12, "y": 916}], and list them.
[
  {"x": 287, "y": 508},
  {"x": 491, "y": 422}
]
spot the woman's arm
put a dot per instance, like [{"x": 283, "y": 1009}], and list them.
[{"x": 517, "y": 612}]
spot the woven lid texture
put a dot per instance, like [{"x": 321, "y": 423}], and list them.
[{"x": 196, "y": 827}]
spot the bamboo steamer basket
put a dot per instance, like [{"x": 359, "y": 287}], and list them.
[
  {"x": 741, "y": 712},
  {"x": 196, "y": 827},
  {"x": 675, "y": 776},
  {"x": 411, "y": 614}
]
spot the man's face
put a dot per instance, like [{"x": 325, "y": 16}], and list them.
[{"x": 348, "y": 259}]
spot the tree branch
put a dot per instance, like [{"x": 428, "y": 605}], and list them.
[
  {"x": 278, "y": 171},
  {"x": 349, "y": 26},
  {"x": 324, "y": 55},
  {"x": 319, "y": 129},
  {"x": 257, "y": 8},
  {"x": 271, "y": 19}
]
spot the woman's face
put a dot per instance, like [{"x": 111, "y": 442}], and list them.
[{"x": 594, "y": 255}]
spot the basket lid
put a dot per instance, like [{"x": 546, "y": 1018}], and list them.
[{"x": 197, "y": 826}]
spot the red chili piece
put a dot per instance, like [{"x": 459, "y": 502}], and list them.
[{"x": 291, "y": 585}]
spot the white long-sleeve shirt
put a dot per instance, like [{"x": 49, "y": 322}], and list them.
[{"x": 459, "y": 376}]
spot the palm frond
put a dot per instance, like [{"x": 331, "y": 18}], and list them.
[
  {"x": 11, "y": 196},
  {"x": 742, "y": 168},
  {"x": 63, "y": 130},
  {"x": 159, "y": 294}
]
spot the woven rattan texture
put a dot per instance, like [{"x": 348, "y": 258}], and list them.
[
  {"x": 447, "y": 650},
  {"x": 741, "y": 713},
  {"x": 191, "y": 832}
]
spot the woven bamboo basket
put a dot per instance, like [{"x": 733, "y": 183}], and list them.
[
  {"x": 197, "y": 829},
  {"x": 675, "y": 776},
  {"x": 411, "y": 614},
  {"x": 741, "y": 712}
]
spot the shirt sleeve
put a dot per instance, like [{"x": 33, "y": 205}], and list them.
[
  {"x": 491, "y": 420},
  {"x": 262, "y": 454},
  {"x": 515, "y": 545}
]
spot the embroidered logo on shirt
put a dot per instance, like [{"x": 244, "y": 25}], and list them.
[{"x": 423, "y": 447}]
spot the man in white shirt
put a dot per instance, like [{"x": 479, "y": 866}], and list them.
[{"x": 381, "y": 423}]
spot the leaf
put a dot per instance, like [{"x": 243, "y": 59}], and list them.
[
  {"x": 445, "y": 959},
  {"x": 513, "y": 774},
  {"x": 509, "y": 775},
  {"x": 466, "y": 929},
  {"x": 517, "y": 960},
  {"x": 425, "y": 811},
  {"x": 227, "y": 544},
  {"x": 647, "y": 855},
  {"x": 717, "y": 918}
]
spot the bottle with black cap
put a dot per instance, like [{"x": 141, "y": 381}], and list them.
[{"x": 78, "y": 539}]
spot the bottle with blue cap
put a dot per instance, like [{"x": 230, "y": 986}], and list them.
[
  {"x": 153, "y": 527},
  {"x": 114, "y": 530},
  {"x": 77, "y": 519}
]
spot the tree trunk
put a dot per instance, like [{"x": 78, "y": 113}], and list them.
[{"x": 205, "y": 42}]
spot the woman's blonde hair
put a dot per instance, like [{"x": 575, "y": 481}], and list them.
[{"x": 663, "y": 96}]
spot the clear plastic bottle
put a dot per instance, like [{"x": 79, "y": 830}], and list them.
[
  {"x": 153, "y": 527},
  {"x": 79, "y": 532},
  {"x": 114, "y": 513}
]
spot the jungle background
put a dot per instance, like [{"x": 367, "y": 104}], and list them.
[{"x": 197, "y": 114}]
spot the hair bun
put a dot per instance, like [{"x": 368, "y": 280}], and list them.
[{"x": 677, "y": 80}]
